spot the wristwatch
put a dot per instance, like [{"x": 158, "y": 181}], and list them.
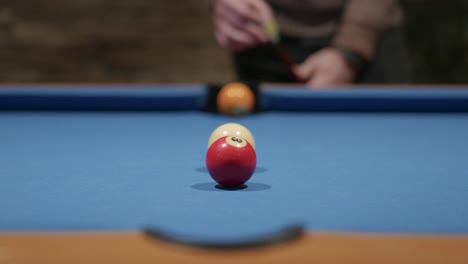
[{"x": 357, "y": 61}]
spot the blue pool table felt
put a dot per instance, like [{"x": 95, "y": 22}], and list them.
[{"x": 359, "y": 172}]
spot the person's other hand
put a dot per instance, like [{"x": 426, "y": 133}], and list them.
[
  {"x": 326, "y": 68},
  {"x": 238, "y": 23}
]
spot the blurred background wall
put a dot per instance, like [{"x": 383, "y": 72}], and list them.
[{"x": 171, "y": 41}]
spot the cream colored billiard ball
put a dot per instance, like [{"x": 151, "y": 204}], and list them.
[{"x": 232, "y": 129}]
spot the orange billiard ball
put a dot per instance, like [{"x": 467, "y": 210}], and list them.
[{"x": 235, "y": 99}]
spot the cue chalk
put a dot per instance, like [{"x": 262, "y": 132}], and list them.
[{"x": 281, "y": 236}]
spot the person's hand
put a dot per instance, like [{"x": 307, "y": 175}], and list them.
[
  {"x": 326, "y": 68},
  {"x": 238, "y": 23}
]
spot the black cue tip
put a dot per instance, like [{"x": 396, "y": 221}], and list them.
[{"x": 281, "y": 236}]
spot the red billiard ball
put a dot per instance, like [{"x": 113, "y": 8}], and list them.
[{"x": 231, "y": 161}]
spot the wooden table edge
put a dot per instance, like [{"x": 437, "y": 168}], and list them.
[{"x": 321, "y": 247}]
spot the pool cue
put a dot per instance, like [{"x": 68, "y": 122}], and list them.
[{"x": 271, "y": 30}]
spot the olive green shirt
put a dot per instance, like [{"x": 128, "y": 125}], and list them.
[{"x": 353, "y": 24}]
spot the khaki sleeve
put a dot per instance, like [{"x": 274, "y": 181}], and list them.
[{"x": 363, "y": 21}]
